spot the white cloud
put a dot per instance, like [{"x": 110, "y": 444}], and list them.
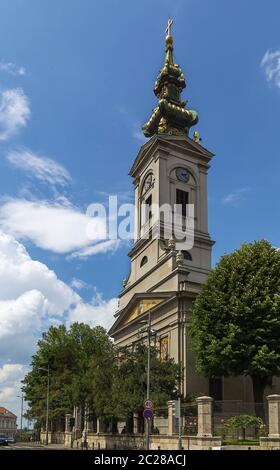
[
  {"x": 102, "y": 247},
  {"x": 30, "y": 293},
  {"x": 11, "y": 68},
  {"x": 235, "y": 197},
  {"x": 11, "y": 375},
  {"x": 43, "y": 168},
  {"x": 100, "y": 312},
  {"x": 32, "y": 298},
  {"x": 14, "y": 112},
  {"x": 58, "y": 227},
  {"x": 271, "y": 65},
  {"x": 79, "y": 284}
]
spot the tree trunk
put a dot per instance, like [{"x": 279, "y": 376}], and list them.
[{"x": 259, "y": 384}]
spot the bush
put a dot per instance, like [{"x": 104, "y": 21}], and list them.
[{"x": 243, "y": 422}]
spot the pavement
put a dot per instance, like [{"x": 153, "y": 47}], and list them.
[{"x": 32, "y": 446}]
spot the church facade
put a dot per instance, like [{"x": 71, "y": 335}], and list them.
[{"x": 170, "y": 169}]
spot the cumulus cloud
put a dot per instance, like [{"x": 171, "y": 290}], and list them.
[
  {"x": 58, "y": 227},
  {"x": 271, "y": 65},
  {"x": 11, "y": 68},
  {"x": 32, "y": 298},
  {"x": 30, "y": 293},
  {"x": 43, "y": 168},
  {"x": 11, "y": 375},
  {"x": 14, "y": 112},
  {"x": 100, "y": 312}
]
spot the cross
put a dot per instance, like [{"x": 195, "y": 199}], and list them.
[{"x": 168, "y": 29}]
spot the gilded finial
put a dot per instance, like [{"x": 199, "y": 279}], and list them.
[
  {"x": 196, "y": 137},
  {"x": 170, "y": 117},
  {"x": 168, "y": 29}
]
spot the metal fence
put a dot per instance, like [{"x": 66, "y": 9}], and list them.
[{"x": 188, "y": 420}]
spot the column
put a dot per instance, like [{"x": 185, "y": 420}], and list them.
[
  {"x": 78, "y": 422},
  {"x": 274, "y": 416},
  {"x": 68, "y": 416},
  {"x": 135, "y": 423},
  {"x": 101, "y": 427},
  {"x": 171, "y": 418},
  {"x": 205, "y": 416}
]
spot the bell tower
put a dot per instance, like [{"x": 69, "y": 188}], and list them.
[{"x": 170, "y": 170}]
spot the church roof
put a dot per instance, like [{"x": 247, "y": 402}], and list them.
[
  {"x": 170, "y": 116},
  {"x": 169, "y": 140}
]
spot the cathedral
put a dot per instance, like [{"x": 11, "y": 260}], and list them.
[{"x": 170, "y": 168}]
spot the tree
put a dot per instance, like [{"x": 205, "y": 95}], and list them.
[
  {"x": 243, "y": 422},
  {"x": 236, "y": 317},
  {"x": 74, "y": 357},
  {"x": 130, "y": 381},
  {"x": 86, "y": 369}
]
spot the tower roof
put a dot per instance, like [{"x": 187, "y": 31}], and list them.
[{"x": 170, "y": 116}]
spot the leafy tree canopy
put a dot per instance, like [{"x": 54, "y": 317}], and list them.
[
  {"x": 130, "y": 381},
  {"x": 236, "y": 317},
  {"x": 74, "y": 358},
  {"x": 85, "y": 368}
]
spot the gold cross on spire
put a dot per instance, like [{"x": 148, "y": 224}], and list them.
[{"x": 168, "y": 29}]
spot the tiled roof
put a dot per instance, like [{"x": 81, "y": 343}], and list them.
[{"x": 5, "y": 412}]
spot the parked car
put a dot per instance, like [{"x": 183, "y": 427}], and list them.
[
  {"x": 3, "y": 440},
  {"x": 11, "y": 440}
]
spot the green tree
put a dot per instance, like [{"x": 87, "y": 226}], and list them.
[
  {"x": 236, "y": 317},
  {"x": 75, "y": 357},
  {"x": 130, "y": 381}
]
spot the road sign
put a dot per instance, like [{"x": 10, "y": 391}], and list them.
[
  {"x": 148, "y": 404},
  {"x": 148, "y": 413}
]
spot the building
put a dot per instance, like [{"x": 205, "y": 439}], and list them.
[
  {"x": 8, "y": 422},
  {"x": 171, "y": 168}
]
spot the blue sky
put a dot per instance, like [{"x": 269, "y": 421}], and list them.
[{"x": 76, "y": 84}]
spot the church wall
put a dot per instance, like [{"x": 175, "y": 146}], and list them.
[{"x": 146, "y": 283}]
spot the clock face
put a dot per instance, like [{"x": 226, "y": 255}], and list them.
[
  {"x": 182, "y": 175},
  {"x": 148, "y": 182}
]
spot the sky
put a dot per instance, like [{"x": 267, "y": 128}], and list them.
[{"x": 76, "y": 85}]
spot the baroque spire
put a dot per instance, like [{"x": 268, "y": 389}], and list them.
[{"x": 170, "y": 116}]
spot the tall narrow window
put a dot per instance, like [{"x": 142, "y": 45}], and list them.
[
  {"x": 148, "y": 203},
  {"x": 182, "y": 199}
]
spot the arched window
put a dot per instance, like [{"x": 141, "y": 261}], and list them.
[
  {"x": 187, "y": 255},
  {"x": 144, "y": 260},
  {"x": 148, "y": 182}
]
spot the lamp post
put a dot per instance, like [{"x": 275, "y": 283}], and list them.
[
  {"x": 48, "y": 399},
  {"x": 21, "y": 414}
]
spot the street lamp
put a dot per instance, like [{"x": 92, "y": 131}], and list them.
[
  {"x": 48, "y": 397},
  {"x": 150, "y": 333},
  {"x": 21, "y": 414}
]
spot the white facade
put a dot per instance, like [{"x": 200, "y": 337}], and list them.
[{"x": 8, "y": 422}]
